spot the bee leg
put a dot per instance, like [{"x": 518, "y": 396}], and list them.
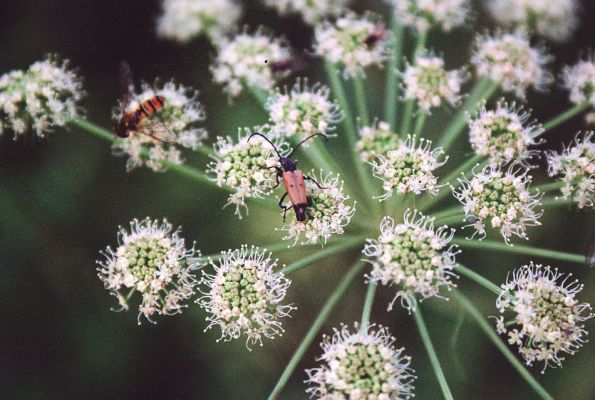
[{"x": 307, "y": 178}]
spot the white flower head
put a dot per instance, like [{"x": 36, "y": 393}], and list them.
[
  {"x": 40, "y": 98},
  {"x": 412, "y": 255},
  {"x": 555, "y": 19},
  {"x": 504, "y": 134},
  {"x": 183, "y": 20},
  {"x": 501, "y": 199},
  {"x": 327, "y": 215},
  {"x": 575, "y": 166},
  {"x": 376, "y": 140},
  {"x": 312, "y": 11},
  {"x": 303, "y": 111},
  {"x": 409, "y": 168},
  {"x": 579, "y": 79},
  {"x": 246, "y": 166},
  {"x": 429, "y": 84},
  {"x": 181, "y": 115},
  {"x": 547, "y": 319},
  {"x": 246, "y": 60},
  {"x": 244, "y": 295},
  {"x": 509, "y": 60},
  {"x": 153, "y": 261},
  {"x": 425, "y": 14},
  {"x": 364, "y": 364},
  {"x": 353, "y": 42}
]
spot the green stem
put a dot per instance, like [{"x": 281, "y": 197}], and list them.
[
  {"x": 565, "y": 116},
  {"x": 447, "y": 213},
  {"x": 554, "y": 202},
  {"x": 474, "y": 276},
  {"x": 367, "y": 312},
  {"x": 408, "y": 115},
  {"x": 259, "y": 94},
  {"x": 319, "y": 255},
  {"x": 315, "y": 328},
  {"x": 392, "y": 77},
  {"x": 451, "y": 219},
  {"x": 419, "y": 123},
  {"x": 360, "y": 100},
  {"x": 488, "y": 331},
  {"x": 546, "y": 187},
  {"x": 519, "y": 249},
  {"x": 425, "y": 337}
]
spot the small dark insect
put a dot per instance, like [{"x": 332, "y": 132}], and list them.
[
  {"x": 293, "y": 64},
  {"x": 293, "y": 179},
  {"x": 590, "y": 256},
  {"x": 141, "y": 119},
  {"x": 375, "y": 36}
]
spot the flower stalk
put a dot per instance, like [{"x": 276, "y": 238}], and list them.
[
  {"x": 565, "y": 116},
  {"x": 392, "y": 77}
]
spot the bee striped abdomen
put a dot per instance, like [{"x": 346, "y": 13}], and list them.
[{"x": 149, "y": 107}]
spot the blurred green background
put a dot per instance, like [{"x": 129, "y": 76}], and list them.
[{"x": 62, "y": 199}]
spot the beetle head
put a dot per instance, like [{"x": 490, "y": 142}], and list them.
[
  {"x": 121, "y": 128},
  {"x": 288, "y": 164}
]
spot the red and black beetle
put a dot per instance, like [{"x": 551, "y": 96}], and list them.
[{"x": 293, "y": 179}]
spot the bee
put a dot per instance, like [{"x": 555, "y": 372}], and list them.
[
  {"x": 293, "y": 64},
  {"x": 375, "y": 36},
  {"x": 143, "y": 119}
]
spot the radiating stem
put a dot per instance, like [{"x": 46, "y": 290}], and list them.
[
  {"x": 321, "y": 254},
  {"x": 474, "y": 276},
  {"x": 409, "y": 105},
  {"x": 451, "y": 219},
  {"x": 392, "y": 77},
  {"x": 555, "y": 202},
  {"x": 419, "y": 123},
  {"x": 315, "y": 328},
  {"x": 425, "y": 337},
  {"x": 361, "y": 101},
  {"x": 370, "y": 294},
  {"x": 259, "y": 94},
  {"x": 489, "y": 332},
  {"x": 565, "y": 116},
  {"x": 546, "y": 187}
]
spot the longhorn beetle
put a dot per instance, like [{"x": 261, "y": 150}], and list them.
[{"x": 293, "y": 179}]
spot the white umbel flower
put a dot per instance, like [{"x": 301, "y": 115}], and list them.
[
  {"x": 359, "y": 365},
  {"x": 153, "y": 261},
  {"x": 504, "y": 134},
  {"x": 509, "y": 60},
  {"x": 425, "y": 14},
  {"x": 327, "y": 215},
  {"x": 547, "y": 320},
  {"x": 303, "y": 111},
  {"x": 429, "y": 84},
  {"x": 181, "y": 115},
  {"x": 353, "y": 42},
  {"x": 501, "y": 199},
  {"x": 246, "y": 60},
  {"x": 312, "y": 11},
  {"x": 412, "y": 255},
  {"x": 246, "y": 166},
  {"x": 244, "y": 295},
  {"x": 376, "y": 140},
  {"x": 554, "y": 19},
  {"x": 579, "y": 80},
  {"x": 409, "y": 168},
  {"x": 183, "y": 20},
  {"x": 576, "y": 168},
  {"x": 40, "y": 98}
]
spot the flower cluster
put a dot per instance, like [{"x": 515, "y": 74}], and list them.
[
  {"x": 504, "y": 134},
  {"x": 576, "y": 167},
  {"x": 244, "y": 295},
  {"x": 500, "y": 197},
  {"x": 354, "y": 42},
  {"x": 376, "y": 140},
  {"x": 183, "y": 20},
  {"x": 413, "y": 255},
  {"x": 312, "y": 11},
  {"x": 579, "y": 79},
  {"x": 326, "y": 215},
  {"x": 423, "y": 15},
  {"x": 246, "y": 60},
  {"x": 361, "y": 365},
  {"x": 429, "y": 84},
  {"x": 180, "y": 116},
  {"x": 153, "y": 261},
  {"x": 303, "y": 111},
  {"x": 548, "y": 318},
  {"x": 509, "y": 60},
  {"x": 409, "y": 168},
  {"x": 555, "y": 19},
  {"x": 42, "y": 97}
]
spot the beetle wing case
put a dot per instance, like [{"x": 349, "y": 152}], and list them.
[{"x": 294, "y": 183}]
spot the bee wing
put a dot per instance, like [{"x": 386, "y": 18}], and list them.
[
  {"x": 126, "y": 84},
  {"x": 157, "y": 130}
]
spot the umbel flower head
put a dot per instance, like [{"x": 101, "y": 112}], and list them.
[
  {"x": 509, "y": 60},
  {"x": 364, "y": 364},
  {"x": 409, "y": 168},
  {"x": 327, "y": 215},
  {"x": 353, "y": 42},
  {"x": 501, "y": 199},
  {"x": 423, "y": 15},
  {"x": 246, "y": 59},
  {"x": 429, "y": 84},
  {"x": 548, "y": 320},
  {"x": 376, "y": 140},
  {"x": 575, "y": 166},
  {"x": 504, "y": 134},
  {"x": 245, "y": 166},
  {"x": 555, "y": 19},
  {"x": 181, "y": 114},
  {"x": 579, "y": 79},
  {"x": 153, "y": 261},
  {"x": 40, "y": 98},
  {"x": 303, "y": 111},
  {"x": 244, "y": 295},
  {"x": 312, "y": 11},
  {"x": 412, "y": 255},
  {"x": 183, "y": 20}
]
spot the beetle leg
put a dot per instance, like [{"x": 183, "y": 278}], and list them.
[
  {"x": 309, "y": 203},
  {"x": 315, "y": 182},
  {"x": 281, "y": 201}
]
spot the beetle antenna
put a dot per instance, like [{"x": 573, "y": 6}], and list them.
[
  {"x": 306, "y": 139},
  {"x": 267, "y": 139}
]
